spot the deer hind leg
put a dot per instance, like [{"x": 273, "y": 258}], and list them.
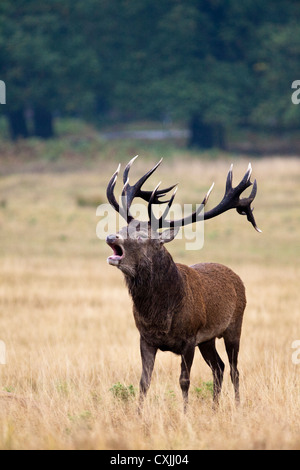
[
  {"x": 232, "y": 349},
  {"x": 184, "y": 380},
  {"x": 212, "y": 358},
  {"x": 148, "y": 354}
]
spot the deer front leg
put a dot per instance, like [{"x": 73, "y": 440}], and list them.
[
  {"x": 184, "y": 380},
  {"x": 148, "y": 354}
]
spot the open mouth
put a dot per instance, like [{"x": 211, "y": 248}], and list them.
[{"x": 118, "y": 254}]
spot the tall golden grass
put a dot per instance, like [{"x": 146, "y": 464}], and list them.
[{"x": 65, "y": 318}]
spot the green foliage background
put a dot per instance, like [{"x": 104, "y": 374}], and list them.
[{"x": 226, "y": 62}]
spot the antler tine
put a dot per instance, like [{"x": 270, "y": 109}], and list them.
[
  {"x": 232, "y": 199},
  {"x": 162, "y": 222},
  {"x": 110, "y": 190},
  {"x": 127, "y": 189},
  {"x": 146, "y": 195},
  {"x": 152, "y": 197},
  {"x": 245, "y": 183},
  {"x": 207, "y": 194},
  {"x": 245, "y": 207},
  {"x": 127, "y": 168},
  {"x": 229, "y": 179},
  {"x": 134, "y": 191},
  {"x": 159, "y": 223},
  {"x": 254, "y": 190},
  {"x": 130, "y": 192}
]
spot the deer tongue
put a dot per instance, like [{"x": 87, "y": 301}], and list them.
[{"x": 118, "y": 254}]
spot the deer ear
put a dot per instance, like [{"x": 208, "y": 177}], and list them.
[{"x": 168, "y": 235}]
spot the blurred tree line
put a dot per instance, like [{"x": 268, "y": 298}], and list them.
[{"x": 213, "y": 64}]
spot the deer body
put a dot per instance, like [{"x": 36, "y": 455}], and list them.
[
  {"x": 177, "y": 307},
  {"x": 195, "y": 304}
]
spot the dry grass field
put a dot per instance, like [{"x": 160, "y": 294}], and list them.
[{"x": 72, "y": 350}]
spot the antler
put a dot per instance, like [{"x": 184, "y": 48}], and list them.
[
  {"x": 130, "y": 192},
  {"x": 231, "y": 200}
]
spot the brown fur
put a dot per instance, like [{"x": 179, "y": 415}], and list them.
[{"x": 177, "y": 307}]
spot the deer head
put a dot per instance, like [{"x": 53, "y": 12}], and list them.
[{"x": 148, "y": 236}]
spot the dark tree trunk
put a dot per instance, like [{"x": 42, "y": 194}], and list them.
[
  {"x": 205, "y": 136},
  {"x": 219, "y": 136},
  {"x": 43, "y": 123},
  {"x": 17, "y": 124}
]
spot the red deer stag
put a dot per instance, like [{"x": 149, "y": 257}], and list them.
[{"x": 178, "y": 307}]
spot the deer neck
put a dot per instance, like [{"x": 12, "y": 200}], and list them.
[{"x": 156, "y": 289}]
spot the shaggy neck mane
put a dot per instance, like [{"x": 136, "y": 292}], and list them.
[{"x": 157, "y": 287}]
